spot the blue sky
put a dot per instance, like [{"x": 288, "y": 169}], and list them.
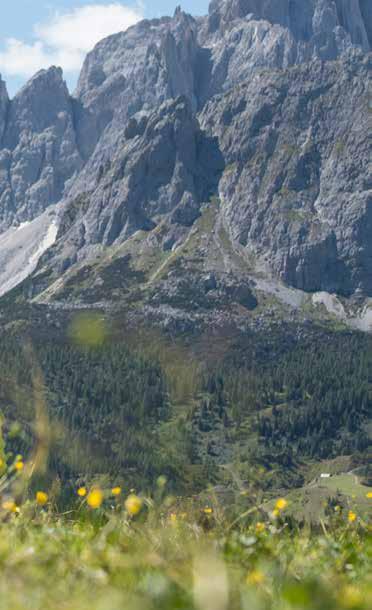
[{"x": 37, "y": 33}]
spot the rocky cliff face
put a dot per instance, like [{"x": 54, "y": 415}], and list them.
[
  {"x": 314, "y": 21},
  {"x": 261, "y": 109},
  {"x": 39, "y": 151},
  {"x": 297, "y": 189},
  {"x": 245, "y": 35}
]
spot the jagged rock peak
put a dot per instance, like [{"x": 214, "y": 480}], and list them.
[
  {"x": 37, "y": 105},
  {"x": 135, "y": 70},
  {"x": 51, "y": 77},
  {"x": 38, "y": 153},
  {"x": 122, "y": 52}
]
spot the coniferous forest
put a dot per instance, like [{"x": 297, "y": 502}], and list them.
[{"x": 125, "y": 409}]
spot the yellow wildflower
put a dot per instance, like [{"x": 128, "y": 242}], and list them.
[
  {"x": 82, "y": 492},
  {"x": 10, "y": 506},
  {"x": 116, "y": 491},
  {"x": 275, "y": 513},
  {"x": 19, "y": 466},
  {"x": 369, "y": 495},
  {"x": 173, "y": 518},
  {"x": 95, "y": 498},
  {"x": 351, "y": 516},
  {"x": 133, "y": 504},
  {"x": 256, "y": 577},
  {"x": 260, "y": 527},
  {"x": 281, "y": 504},
  {"x": 208, "y": 510},
  {"x": 41, "y": 498}
]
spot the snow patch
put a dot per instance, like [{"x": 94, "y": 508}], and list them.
[
  {"x": 48, "y": 241},
  {"x": 23, "y": 225},
  {"x": 22, "y": 247}
]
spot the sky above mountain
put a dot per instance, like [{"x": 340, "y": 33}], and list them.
[{"x": 35, "y": 34}]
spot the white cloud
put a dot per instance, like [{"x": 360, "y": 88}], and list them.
[
  {"x": 21, "y": 59},
  {"x": 65, "y": 39}
]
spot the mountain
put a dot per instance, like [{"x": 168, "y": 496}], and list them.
[
  {"x": 263, "y": 108},
  {"x": 201, "y": 164},
  {"x": 200, "y": 209}
]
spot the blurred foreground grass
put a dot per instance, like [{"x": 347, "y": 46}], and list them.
[{"x": 137, "y": 555}]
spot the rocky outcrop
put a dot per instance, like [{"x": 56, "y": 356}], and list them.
[
  {"x": 163, "y": 171},
  {"x": 39, "y": 152}
]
